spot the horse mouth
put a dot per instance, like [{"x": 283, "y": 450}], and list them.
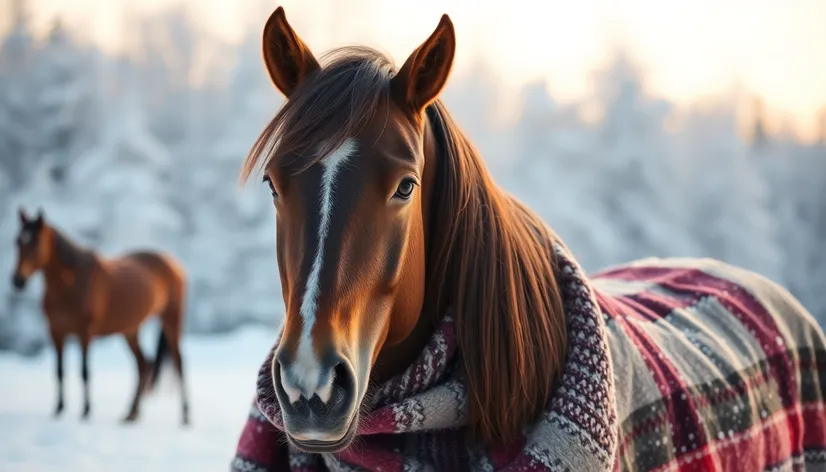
[{"x": 315, "y": 447}]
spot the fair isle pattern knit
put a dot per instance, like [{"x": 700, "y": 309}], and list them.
[{"x": 673, "y": 364}]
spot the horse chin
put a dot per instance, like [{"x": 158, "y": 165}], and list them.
[{"x": 315, "y": 446}]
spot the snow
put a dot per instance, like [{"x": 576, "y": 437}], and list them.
[{"x": 221, "y": 375}]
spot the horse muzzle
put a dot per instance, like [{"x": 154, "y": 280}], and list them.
[
  {"x": 318, "y": 416},
  {"x": 18, "y": 282}
]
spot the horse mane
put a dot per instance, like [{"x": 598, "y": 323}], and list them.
[
  {"x": 493, "y": 265},
  {"x": 336, "y": 102},
  {"x": 490, "y": 260},
  {"x": 69, "y": 253}
]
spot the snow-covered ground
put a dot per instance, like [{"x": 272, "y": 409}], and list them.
[{"x": 221, "y": 379}]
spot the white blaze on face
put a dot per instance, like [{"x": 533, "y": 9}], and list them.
[{"x": 306, "y": 366}]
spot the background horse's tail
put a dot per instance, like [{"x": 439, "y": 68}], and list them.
[
  {"x": 172, "y": 277},
  {"x": 160, "y": 355}
]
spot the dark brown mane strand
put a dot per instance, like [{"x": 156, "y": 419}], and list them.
[
  {"x": 67, "y": 252},
  {"x": 491, "y": 261},
  {"x": 334, "y": 103}
]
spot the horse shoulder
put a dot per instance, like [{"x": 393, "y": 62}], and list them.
[
  {"x": 52, "y": 304},
  {"x": 91, "y": 289},
  {"x": 62, "y": 308}
]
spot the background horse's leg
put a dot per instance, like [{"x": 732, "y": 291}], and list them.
[
  {"x": 140, "y": 360},
  {"x": 85, "y": 339},
  {"x": 168, "y": 345},
  {"x": 175, "y": 352},
  {"x": 57, "y": 341},
  {"x": 172, "y": 319}
]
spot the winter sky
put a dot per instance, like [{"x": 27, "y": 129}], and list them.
[{"x": 692, "y": 49}]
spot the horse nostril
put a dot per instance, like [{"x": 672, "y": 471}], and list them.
[
  {"x": 343, "y": 380},
  {"x": 337, "y": 393},
  {"x": 284, "y": 383}
]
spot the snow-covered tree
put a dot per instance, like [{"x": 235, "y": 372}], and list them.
[
  {"x": 18, "y": 115},
  {"x": 729, "y": 206},
  {"x": 67, "y": 124},
  {"x": 233, "y": 238},
  {"x": 641, "y": 188},
  {"x": 554, "y": 173},
  {"x": 163, "y": 47},
  {"x": 796, "y": 179},
  {"x": 47, "y": 121}
]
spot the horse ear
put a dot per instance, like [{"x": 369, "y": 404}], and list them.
[
  {"x": 22, "y": 214},
  {"x": 288, "y": 60},
  {"x": 425, "y": 72},
  {"x": 39, "y": 219}
]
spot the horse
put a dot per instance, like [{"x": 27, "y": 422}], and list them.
[
  {"x": 89, "y": 296},
  {"x": 434, "y": 322}
]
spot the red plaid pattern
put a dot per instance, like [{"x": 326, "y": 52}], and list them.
[{"x": 673, "y": 365}]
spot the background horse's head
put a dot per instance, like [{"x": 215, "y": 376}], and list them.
[
  {"x": 386, "y": 218},
  {"x": 32, "y": 248}
]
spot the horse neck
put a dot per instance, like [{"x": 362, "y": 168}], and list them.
[{"x": 65, "y": 259}]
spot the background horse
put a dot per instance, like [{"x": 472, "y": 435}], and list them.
[
  {"x": 87, "y": 296},
  {"x": 422, "y": 300}
]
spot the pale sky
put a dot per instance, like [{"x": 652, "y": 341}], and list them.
[{"x": 690, "y": 49}]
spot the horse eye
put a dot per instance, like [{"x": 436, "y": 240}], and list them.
[
  {"x": 405, "y": 189},
  {"x": 271, "y": 186}
]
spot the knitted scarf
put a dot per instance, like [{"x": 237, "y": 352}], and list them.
[{"x": 672, "y": 365}]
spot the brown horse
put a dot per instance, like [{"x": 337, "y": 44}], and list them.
[
  {"x": 379, "y": 229},
  {"x": 434, "y": 323},
  {"x": 88, "y": 296}
]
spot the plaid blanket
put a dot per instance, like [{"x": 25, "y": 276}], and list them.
[{"x": 673, "y": 364}]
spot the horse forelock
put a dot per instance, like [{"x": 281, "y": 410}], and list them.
[{"x": 334, "y": 104}]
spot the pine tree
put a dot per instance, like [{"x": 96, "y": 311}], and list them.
[
  {"x": 731, "y": 205},
  {"x": 643, "y": 193},
  {"x": 759, "y": 134},
  {"x": 18, "y": 115},
  {"x": 66, "y": 109},
  {"x": 554, "y": 174}
]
